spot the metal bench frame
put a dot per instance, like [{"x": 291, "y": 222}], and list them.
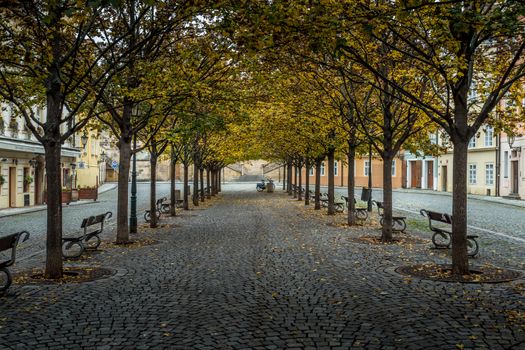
[
  {"x": 442, "y": 237},
  {"x": 398, "y": 222},
  {"x": 10, "y": 242},
  {"x": 88, "y": 240},
  {"x": 161, "y": 208},
  {"x": 360, "y": 213}
]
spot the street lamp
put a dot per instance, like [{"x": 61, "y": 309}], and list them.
[
  {"x": 84, "y": 139},
  {"x": 133, "y": 201}
]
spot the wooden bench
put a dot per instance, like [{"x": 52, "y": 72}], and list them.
[
  {"x": 91, "y": 228},
  {"x": 161, "y": 208},
  {"x": 9, "y": 242},
  {"x": 360, "y": 213},
  {"x": 442, "y": 236},
  {"x": 398, "y": 222}
]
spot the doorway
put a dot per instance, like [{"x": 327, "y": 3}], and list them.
[
  {"x": 12, "y": 187},
  {"x": 415, "y": 174},
  {"x": 444, "y": 178},
  {"x": 515, "y": 176},
  {"x": 38, "y": 196},
  {"x": 430, "y": 175}
]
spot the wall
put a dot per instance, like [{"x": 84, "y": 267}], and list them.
[{"x": 517, "y": 155}]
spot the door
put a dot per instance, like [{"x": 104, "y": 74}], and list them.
[
  {"x": 430, "y": 175},
  {"x": 444, "y": 178},
  {"x": 515, "y": 176},
  {"x": 415, "y": 174},
  {"x": 12, "y": 187}
]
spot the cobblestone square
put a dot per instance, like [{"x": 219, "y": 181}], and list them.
[{"x": 260, "y": 271}]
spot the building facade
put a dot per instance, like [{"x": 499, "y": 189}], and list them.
[
  {"x": 482, "y": 167},
  {"x": 361, "y": 173},
  {"x": 512, "y": 179},
  {"x": 22, "y": 164}
]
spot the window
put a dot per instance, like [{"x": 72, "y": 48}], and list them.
[
  {"x": 394, "y": 167},
  {"x": 506, "y": 164},
  {"x": 336, "y": 170},
  {"x": 311, "y": 171},
  {"x": 472, "y": 174},
  {"x": 322, "y": 169},
  {"x": 489, "y": 174},
  {"x": 489, "y": 135},
  {"x": 367, "y": 168},
  {"x": 433, "y": 138},
  {"x": 472, "y": 142}
]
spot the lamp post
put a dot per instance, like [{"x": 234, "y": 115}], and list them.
[{"x": 133, "y": 211}]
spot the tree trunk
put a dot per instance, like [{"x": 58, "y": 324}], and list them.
[
  {"x": 173, "y": 201},
  {"x": 195, "y": 184},
  {"x": 460, "y": 264},
  {"x": 54, "y": 264},
  {"x": 295, "y": 182},
  {"x": 300, "y": 185},
  {"x": 317, "y": 205},
  {"x": 208, "y": 184},
  {"x": 386, "y": 231},
  {"x": 351, "y": 186},
  {"x": 52, "y": 148},
  {"x": 122, "y": 196},
  {"x": 213, "y": 182},
  {"x": 152, "y": 189},
  {"x": 219, "y": 178},
  {"x": 307, "y": 183},
  {"x": 289, "y": 178},
  {"x": 201, "y": 172},
  {"x": 284, "y": 177},
  {"x": 186, "y": 204},
  {"x": 331, "y": 192}
]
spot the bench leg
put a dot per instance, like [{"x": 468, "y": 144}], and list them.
[
  {"x": 472, "y": 247},
  {"x": 5, "y": 279},
  {"x": 361, "y": 214},
  {"x": 441, "y": 240},
  {"x": 92, "y": 242},
  {"x": 72, "y": 249},
  {"x": 399, "y": 225}
]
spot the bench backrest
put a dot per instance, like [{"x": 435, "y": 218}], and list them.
[
  {"x": 10, "y": 242},
  {"x": 94, "y": 220},
  {"x": 436, "y": 216},
  {"x": 380, "y": 207}
]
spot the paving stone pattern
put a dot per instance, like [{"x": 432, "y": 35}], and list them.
[{"x": 259, "y": 271}]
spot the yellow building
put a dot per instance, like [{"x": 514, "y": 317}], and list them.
[
  {"x": 481, "y": 167},
  {"x": 22, "y": 163},
  {"x": 90, "y": 166}
]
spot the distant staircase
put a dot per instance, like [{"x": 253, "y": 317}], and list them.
[
  {"x": 268, "y": 168},
  {"x": 249, "y": 178}
]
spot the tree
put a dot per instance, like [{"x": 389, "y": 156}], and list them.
[
  {"x": 456, "y": 46},
  {"x": 52, "y": 58}
]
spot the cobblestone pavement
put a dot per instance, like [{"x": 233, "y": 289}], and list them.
[
  {"x": 261, "y": 271},
  {"x": 35, "y": 222}
]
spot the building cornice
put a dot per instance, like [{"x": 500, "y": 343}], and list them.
[{"x": 30, "y": 146}]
